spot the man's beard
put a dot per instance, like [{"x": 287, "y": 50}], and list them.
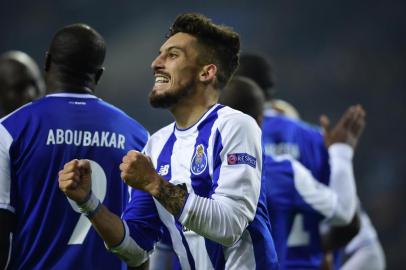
[{"x": 168, "y": 99}]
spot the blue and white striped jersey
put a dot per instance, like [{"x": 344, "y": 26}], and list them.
[
  {"x": 224, "y": 223},
  {"x": 299, "y": 198},
  {"x": 36, "y": 141}
]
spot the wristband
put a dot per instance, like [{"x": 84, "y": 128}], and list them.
[{"x": 91, "y": 206}]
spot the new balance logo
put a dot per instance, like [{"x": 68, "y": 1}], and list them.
[{"x": 163, "y": 170}]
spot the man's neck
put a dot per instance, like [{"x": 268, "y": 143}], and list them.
[
  {"x": 56, "y": 82},
  {"x": 190, "y": 109},
  {"x": 55, "y": 87}
]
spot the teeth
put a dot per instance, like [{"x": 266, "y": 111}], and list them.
[{"x": 161, "y": 79}]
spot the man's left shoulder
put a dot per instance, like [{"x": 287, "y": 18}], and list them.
[{"x": 229, "y": 116}]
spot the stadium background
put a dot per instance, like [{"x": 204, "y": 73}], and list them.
[{"x": 326, "y": 55}]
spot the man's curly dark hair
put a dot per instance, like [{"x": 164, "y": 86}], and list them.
[{"x": 220, "y": 44}]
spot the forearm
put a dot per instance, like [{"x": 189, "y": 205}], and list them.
[
  {"x": 7, "y": 222},
  {"x": 116, "y": 235},
  {"x": 339, "y": 236},
  {"x": 171, "y": 197},
  {"x": 342, "y": 182},
  {"x": 4, "y": 249},
  {"x": 109, "y": 226}
]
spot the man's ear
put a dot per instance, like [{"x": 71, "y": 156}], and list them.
[
  {"x": 208, "y": 73},
  {"x": 98, "y": 74},
  {"x": 47, "y": 61}
]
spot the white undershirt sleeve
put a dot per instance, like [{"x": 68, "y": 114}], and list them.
[
  {"x": 342, "y": 181},
  {"x": 5, "y": 177},
  {"x": 337, "y": 202},
  {"x": 128, "y": 250}
]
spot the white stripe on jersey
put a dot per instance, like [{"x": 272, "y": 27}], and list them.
[
  {"x": 72, "y": 95},
  {"x": 5, "y": 177},
  {"x": 8, "y": 115},
  {"x": 197, "y": 244},
  {"x": 176, "y": 238},
  {"x": 185, "y": 144}
]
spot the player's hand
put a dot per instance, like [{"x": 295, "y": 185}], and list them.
[
  {"x": 75, "y": 180},
  {"x": 348, "y": 129},
  {"x": 138, "y": 172}
]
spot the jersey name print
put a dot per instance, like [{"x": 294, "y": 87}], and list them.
[{"x": 85, "y": 138}]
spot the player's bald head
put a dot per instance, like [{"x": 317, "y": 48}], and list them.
[
  {"x": 78, "y": 48},
  {"x": 259, "y": 69},
  {"x": 22, "y": 61},
  {"x": 20, "y": 80},
  {"x": 245, "y": 95}
]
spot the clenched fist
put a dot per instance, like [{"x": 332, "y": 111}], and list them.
[
  {"x": 138, "y": 172},
  {"x": 75, "y": 180}
]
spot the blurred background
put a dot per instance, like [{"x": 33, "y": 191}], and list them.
[{"x": 326, "y": 56}]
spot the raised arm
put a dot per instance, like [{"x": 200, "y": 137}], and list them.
[
  {"x": 75, "y": 182},
  {"x": 337, "y": 201},
  {"x": 345, "y": 134}
]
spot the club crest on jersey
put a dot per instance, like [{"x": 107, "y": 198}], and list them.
[
  {"x": 241, "y": 158},
  {"x": 199, "y": 160}
]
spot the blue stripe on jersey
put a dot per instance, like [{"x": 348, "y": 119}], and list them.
[
  {"x": 216, "y": 254},
  {"x": 265, "y": 257},
  {"x": 164, "y": 160},
  {"x": 142, "y": 219},
  {"x": 199, "y": 174},
  {"x": 179, "y": 226},
  {"x": 217, "y": 148},
  {"x": 264, "y": 248}
]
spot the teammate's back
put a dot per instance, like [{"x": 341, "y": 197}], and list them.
[
  {"x": 41, "y": 137},
  {"x": 305, "y": 143}
]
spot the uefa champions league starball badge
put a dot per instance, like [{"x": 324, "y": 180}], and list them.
[{"x": 199, "y": 160}]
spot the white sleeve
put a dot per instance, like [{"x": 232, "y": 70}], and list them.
[
  {"x": 319, "y": 196},
  {"x": 5, "y": 177},
  {"x": 128, "y": 250},
  {"x": 337, "y": 202},
  {"x": 223, "y": 217},
  {"x": 342, "y": 181}
]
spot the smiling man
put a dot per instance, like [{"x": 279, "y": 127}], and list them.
[{"x": 199, "y": 177}]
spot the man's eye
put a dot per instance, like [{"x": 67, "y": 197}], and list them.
[{"x": 172, "y": 55}]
